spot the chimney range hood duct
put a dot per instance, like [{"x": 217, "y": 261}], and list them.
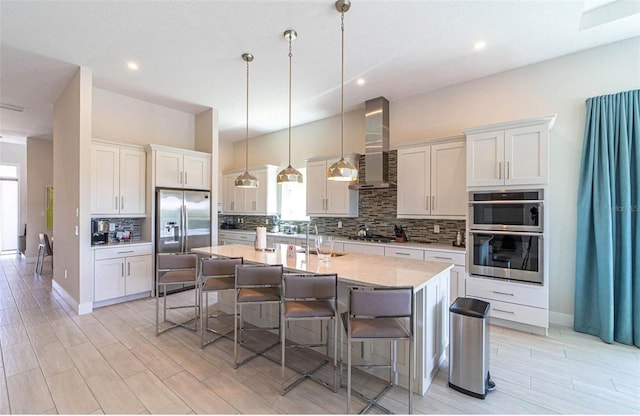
[{"x": 376, "y": 116}]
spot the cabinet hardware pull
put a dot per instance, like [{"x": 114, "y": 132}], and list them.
[
  {"x": 403, "y": 254},
  {"x": 123, "y": 252},
  {"x": 122, "y": 202},
  {"x": 116, "y": 206},
  {"x": 443, "y": 258},
  {"x": 233, "y": 206},
  {"x": 433, "y": 203},
  {"x": 186, "y": 178},
  {"x": 508, "y": 173},
  {"x": 501, "y": 310},
  {"x": 122, "y": 269},
  {"x": 128, "y": 269},
  {"x": 499, "y": 170},
  {"x": 502, "y": 293},
  {"x": 426, "y": 203}
]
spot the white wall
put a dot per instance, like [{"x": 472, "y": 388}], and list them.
[
  {"x": 16, "y": 154},
  {"x": 124, "y": 119},
  {"x": 559, "y": 86},
  {"x": 40, "y": 176}
]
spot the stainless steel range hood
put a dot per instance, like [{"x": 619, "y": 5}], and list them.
[{"x": 376, "y": 116}]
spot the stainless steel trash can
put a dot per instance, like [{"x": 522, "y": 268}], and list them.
[{"x": 469, "y": 347}]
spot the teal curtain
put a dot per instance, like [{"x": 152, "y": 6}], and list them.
[{"x": 607, "y": 283}]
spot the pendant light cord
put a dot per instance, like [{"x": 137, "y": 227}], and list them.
[
  {"x": 290, "y": 55},
  {"x": 342, "y": 91},
  {"x": 246, "y": 147}
]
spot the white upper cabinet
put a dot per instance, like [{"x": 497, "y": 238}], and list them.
[
  {"x": 327, "y": 198},
  {"x": 117, "y": 179},
  {"x": 179, "y": 168},
  {"x": 262, "y": 200},
  {"x": 431, "y": 180},
  {"x": 513, "y": 153}
]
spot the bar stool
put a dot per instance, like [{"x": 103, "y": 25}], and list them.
[
  {"x": 374, "y": 314},
  {"x": 215, "y": 275},
  {"x": 44, "y": 250},
  {"x": 175, "y": 269},
  {"x": 309, "y": 297},
  {"x": 255, "y": 285}
]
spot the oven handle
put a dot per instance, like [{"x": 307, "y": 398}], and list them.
[
  {"x": 527, "y": 201},
  {"x": 505, "y": 233}
]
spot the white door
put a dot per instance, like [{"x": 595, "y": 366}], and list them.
[
  {"x": 337, "y": 194},
  {"x": 197, "y": 172},
  {"x": 230, "y": 205},
  {"x": 526, "y": 155},
  {"x": 316, "y": 187},
  {"x": 448, "y": 179},
  {"x": 139, "y": 274},
  {"x": 132, "y": 181},
  {"x": 105, "y": 179},
  {"x": 169, "y": 169},
  {"x": 108, "y": 279},
  {"x": 413, "y": 181},
  {"x": 485, "y": 159}
]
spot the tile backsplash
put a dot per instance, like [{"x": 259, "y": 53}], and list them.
[
  {"x": 377, "y": 209},
  {"x": 124, "y": 224}
]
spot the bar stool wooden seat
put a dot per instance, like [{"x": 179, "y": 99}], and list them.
[
  {"x": 309, "y": 297},
  {"x": 378, "y": 314},
  {"x": 255, "y": 285},
  {"x": 215, "y": 275},
  {"x": 175, "y": 269}
]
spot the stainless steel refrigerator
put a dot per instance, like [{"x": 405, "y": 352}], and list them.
[{"x": 183, "y": 221}]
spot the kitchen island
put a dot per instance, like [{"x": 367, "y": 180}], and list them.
[{"x": 430, "y": 281}]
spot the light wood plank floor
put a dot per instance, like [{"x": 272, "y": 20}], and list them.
[{"x": 110, "y": 361}]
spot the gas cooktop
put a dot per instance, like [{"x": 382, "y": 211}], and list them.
[{"x": 376, "y": 238}]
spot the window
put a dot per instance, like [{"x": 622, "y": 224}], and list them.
[{"x": 294, "y": 201}]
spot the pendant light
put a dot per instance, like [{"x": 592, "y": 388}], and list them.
[
  {"x": 289, "y": 174},
  {"x": 247, "y": 180},
  {"x": 342, "y": 170}
]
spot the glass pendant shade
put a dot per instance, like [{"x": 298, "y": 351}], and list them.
[
  {"x": 290, "y": 174},
  {"x": 247, "y": 180},
  {"x": 342, "y": 171}
]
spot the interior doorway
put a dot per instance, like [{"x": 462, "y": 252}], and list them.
[{"x": 9, "y": 208}]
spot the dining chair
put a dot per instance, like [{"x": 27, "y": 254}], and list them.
[
  {"x": 175, "y": 269},
  {"x": 216, "y": 275},
  {"x": 255, "y": 285},
  {"x": 379, "y": 314},
  {"x": 44, "y": 250},
  {"x": 309, "y": 297}
]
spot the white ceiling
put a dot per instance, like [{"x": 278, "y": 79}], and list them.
[{"x": 189, "y": 51}]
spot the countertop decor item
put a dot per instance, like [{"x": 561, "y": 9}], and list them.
[
  {"x": 401, "y": 236},
  {"x": 290, "y": 174},
  {"x": 247, "y": 180},
  {"x": 342, "y": 170}
]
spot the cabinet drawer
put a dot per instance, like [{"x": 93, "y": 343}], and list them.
[
  {"x": 364, "y": 249},
  {"x": 507, "y": 292},
  {"x": 122, "y": 251},
  {"x": 445, "y": 257},
  {"x": 407, "y": 253},
  {"x": 518, "y": 313},
  {"x": 243, "y": 237}
]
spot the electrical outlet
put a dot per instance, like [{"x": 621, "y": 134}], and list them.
[
  {"x": 436, "y": 229},
  {"x": 266, "y": 221},
  {"x": 65, "y": 274},
  {"x": 339, "y": 225}
]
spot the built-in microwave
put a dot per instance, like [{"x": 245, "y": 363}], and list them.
[
  {"x": 516, "y": 256},
  {"x": 512, "y": 210}
]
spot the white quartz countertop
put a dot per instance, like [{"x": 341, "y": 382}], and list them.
[
  {"x": 353, "y": 268},
  {"x": 408, "y": 244}
]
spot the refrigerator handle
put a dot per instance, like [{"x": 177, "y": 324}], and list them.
[
  {"x": 183, "y": 223},
  {"x": 186, "y": 230}
]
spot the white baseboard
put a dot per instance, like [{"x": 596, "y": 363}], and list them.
[
  {"x": 562, "y": 319},
  {"x": 81, "y": 309}
]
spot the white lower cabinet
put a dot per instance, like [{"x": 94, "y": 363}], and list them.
[
  {"x": 122, "y": 271},
  {"x": 458, "y": 274},
  {"x": 517, "y": 302},
  {"x": 407, "y": 253},
  {"x": 363, "y": 248},
  {"x": 229, "y": 237}
]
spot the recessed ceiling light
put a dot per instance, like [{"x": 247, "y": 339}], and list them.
[
  {"x": 360, "y": 81},
  {"x": 479, "y": 45},
  {"x": 132, "y": 66}
]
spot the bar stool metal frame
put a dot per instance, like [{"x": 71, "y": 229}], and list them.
[
  {"x": 215, "y": 274},
  {"x": 374, "y": 314},
  {"x": 255, "y": 285},
  {"x": 175, "y": 268},
  {"x": 44, "y": 250},
  {"x": 309, "y": 297}
]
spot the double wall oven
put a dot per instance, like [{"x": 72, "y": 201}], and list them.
[{"x": 506, "y": 234}]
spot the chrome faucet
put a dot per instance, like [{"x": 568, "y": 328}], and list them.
[{"x": 306, "y": 249}]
